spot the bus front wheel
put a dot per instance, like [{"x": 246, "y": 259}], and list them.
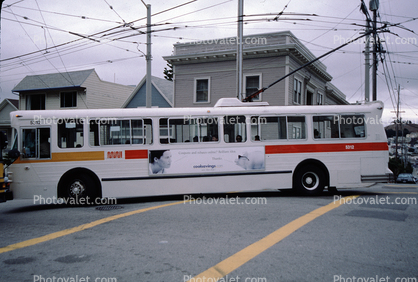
[
  {"x": 309, "y": 180},
  {"x": 78, "y": 189}
]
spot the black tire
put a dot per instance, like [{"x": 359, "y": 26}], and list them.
[
  {"x": 79, "y": 189},
  {"x": 309, "y": 180}
]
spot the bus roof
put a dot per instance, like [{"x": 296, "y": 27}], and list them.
[{"x": 224, "y": 107}]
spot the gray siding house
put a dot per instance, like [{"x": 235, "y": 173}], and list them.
[
  {"x": 162, "y": 94},
  {"x": 205, "y": 71},
  {"x": 78, "y": 90},
  {"x": 6, "y": 107}
]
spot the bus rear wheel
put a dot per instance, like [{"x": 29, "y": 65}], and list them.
[{"x": 309, "y": 180}]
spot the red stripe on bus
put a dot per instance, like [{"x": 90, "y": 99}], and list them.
[
  {"x": 136, "y": 154},
  {"x": 326, "y": 148}
]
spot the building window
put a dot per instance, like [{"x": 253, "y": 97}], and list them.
[
  {"x": 252, "y": 85},
  {"x": 35, "y": 102},
  {"x": 319, "y": 99},
  {"x": 68, "y": 99},
  {"x": 202, "y": 90},
  {"x": 297, "y": 90}
]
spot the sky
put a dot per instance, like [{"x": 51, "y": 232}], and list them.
[{"x": 46, "y": 36}]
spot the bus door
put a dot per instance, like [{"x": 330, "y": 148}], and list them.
[{"x": 36, "y": 143}]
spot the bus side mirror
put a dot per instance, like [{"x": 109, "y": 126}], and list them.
[
  {"x": 3, "y": 140},
  {"x": 13, "y": 154}
]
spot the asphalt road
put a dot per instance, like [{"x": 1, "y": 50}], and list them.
[{"x": 364, "y": 234}]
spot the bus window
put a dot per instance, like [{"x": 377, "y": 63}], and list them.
[
  {"x": 296, "y": 127},
  {"x": 234, "y": 129},
  {"x": 352, "y": 126},
  {"x": 114, "y": 132},
  {"x": 147, "y": 131},
  {"x": 164, "y": 131},
  {"x": 325, "y": 127},
  {"x": 70, "y": 134},
  {"x": 94, "y": 133},
  {"x": 254, "y": 129},
  {"x": 208, "y": 129},
  {"x": 272, "y": 128},
  {"x": 137, "y": 131},
  {"x": 36, "y": 143},
  {"x": 183, "y": 130}
]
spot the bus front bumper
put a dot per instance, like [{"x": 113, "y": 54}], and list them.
[{"x": 5, "y": 193}]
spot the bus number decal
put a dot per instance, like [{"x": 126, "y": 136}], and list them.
[
  {"x": 114, "y": 155},
  {"x": 349, "y": 147}
]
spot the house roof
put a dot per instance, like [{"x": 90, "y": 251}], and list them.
[
  {"x": 13, "y": 102},
  {"x": 53, "y": 80},
  {"x": 164, "y": 87}
]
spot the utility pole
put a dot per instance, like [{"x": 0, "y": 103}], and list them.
[
  {"x": 148, "y": 58},
  {"x": 374, "y": 6},
  {"x": 397, "y": 123},
  {"x": 239, "y": 48},
  {"x": 367, "y": 64},
  {"x": 1, "y": 7}
]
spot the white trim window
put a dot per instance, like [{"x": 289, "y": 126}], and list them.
[
  {"x": 297, "y": 91},
  {"x": 202, "y": 90},
  {"x": 252, "y": 84},
  {"x": 68, "y": 99},
  {"x": 319, "y": 99},
  {"x": 35, "y": 102}
]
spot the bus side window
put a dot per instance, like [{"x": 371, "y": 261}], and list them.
[
  {"x": 234, "y": 129},
  {"x": 208, "y": 129},
  {"x": 94, "y": 133},
  {"x": 296, "y": 127},
  {"x": 148, "y": 131},
  {"x": 137, "y": 131},
  {"x": 115, "y": 132},
  {"x": 183, "y": 130},
  {"x": 36, "y": 143},
  {"x": 326, "y": 127},
  {"x": 164, "y": 131},
  {"x": 352, "y": 126},
  {"x": 70, "y": 134},
  {"x": 273, "y": 128},
  {"x": 141, "y": 131}
]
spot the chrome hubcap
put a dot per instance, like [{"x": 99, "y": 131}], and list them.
[{"x": 77, "y": 188}]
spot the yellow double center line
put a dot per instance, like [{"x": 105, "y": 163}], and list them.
[{"x": 221, "y": 269}]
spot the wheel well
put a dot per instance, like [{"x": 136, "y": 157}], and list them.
[
  {"x": 77, "y": 171},
  {"x": 315, "y": 163}
]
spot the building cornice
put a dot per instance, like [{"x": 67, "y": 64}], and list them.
[{"x": 287, "y": 45}]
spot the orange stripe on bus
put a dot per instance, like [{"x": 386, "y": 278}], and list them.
[
  {"x": 136, "y": 154},
  {"x": 68, "y": 157},
  {"x": 326, "y": 148}
]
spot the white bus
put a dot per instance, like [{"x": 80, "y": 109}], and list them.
[{"x": 233, "y": 146}]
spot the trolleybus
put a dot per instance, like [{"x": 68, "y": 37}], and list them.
[{"x": 233, "y": 146}]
